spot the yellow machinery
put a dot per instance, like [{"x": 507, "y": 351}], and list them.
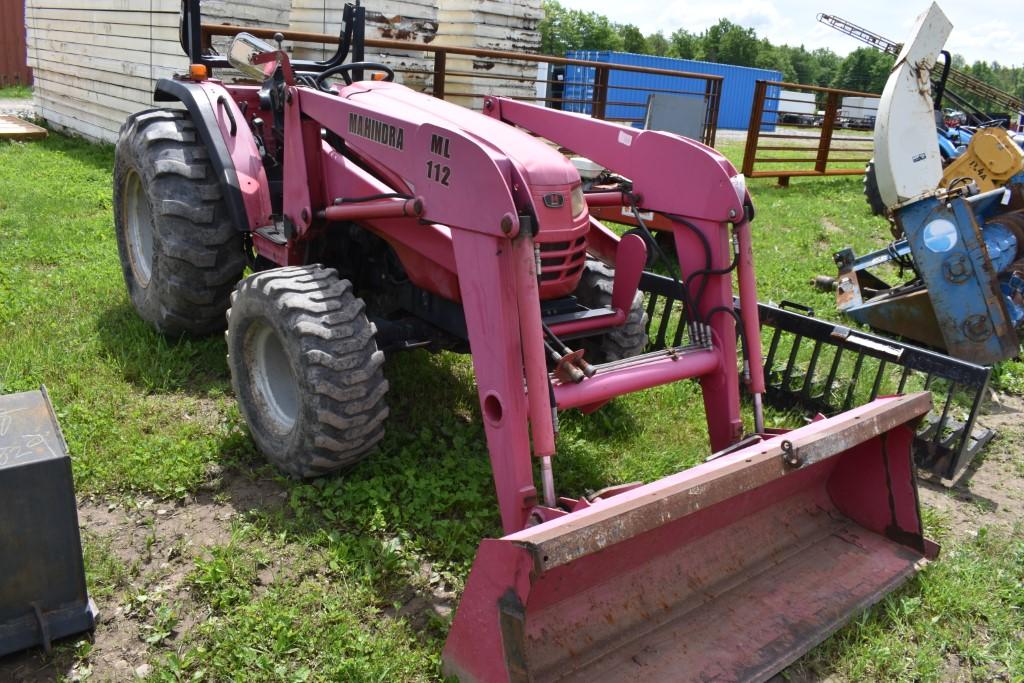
[{"x": 991, "y": 159}]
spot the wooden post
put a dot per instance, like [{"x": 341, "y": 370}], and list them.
[
  {"x": 827, "y": 126},
  {"x": 712, "y": 101},
  {"x": 599, "y": 97},
  {"x": 440, "y": 68},
  {"x": 754, "y": 127}
]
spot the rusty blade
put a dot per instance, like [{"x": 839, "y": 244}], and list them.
[{"x": 645, "y": 508}]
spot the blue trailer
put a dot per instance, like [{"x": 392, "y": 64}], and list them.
[{"x": 628, "y": 91}]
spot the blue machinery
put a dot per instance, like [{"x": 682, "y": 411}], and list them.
[{"x": 968, "y": 294}]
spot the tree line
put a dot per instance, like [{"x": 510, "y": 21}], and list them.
[{"x": 864, "y": 69}]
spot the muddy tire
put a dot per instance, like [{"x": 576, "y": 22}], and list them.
[
  {"x": 594, "y": 291},
  {"x": 180, "y": 253},
  {"x": 871, "y": 192},
  {"x": 306, "y": 369}
]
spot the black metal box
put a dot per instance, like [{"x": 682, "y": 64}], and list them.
[{"x": 42, "y": 576}]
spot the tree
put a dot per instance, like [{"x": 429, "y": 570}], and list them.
[
  {"x": 657, "y": 44},
  {"x": 632, "y": 39},
  {"x": 683, "y": 44},
  {"x": 864, "y": 69},
  {"x": 729, "y": 43},
  {"x": 564, "y": 29}
]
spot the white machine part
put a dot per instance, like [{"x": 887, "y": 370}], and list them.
[{"x": 907, "y": 161}]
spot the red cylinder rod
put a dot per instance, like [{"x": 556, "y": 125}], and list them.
[
  {"x": 748, "y": 306},
  {"x": 605, "y": 199},
  {"x": 607, "y": 384},
  {"x": 614, "y": 318},
  {"x": 385, "y": 208}
]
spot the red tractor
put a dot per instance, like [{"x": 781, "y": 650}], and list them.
[{"x": 376, "y": 218}]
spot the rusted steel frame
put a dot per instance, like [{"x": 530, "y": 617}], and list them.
[
  {"x": 809, "y": 160},
  {"x": 311, "y": 37},
  {"x": 818, "y": 88},
  {"x": 805, "y": 174},
  {"x": 827, "y": 126},
  {"x": 619, "y": 520},
  {"x": 440, "y": 68},
  {"x": 600, "y": 92},
  {"x": 713, "y": 92},
  {"x": 754, "y": 127}
]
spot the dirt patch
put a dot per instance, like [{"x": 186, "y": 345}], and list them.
[
  {"x": 148, "y": 549},
  {"x": 991, "y": 492}
]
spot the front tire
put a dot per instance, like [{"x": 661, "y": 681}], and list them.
[
  {"x": 180, "y": 254},
  {"x": 871, "y": 191},
  {"x": 630, "y": 338},
  {"x": 306, "y": 369}
]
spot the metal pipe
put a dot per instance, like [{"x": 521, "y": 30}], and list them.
[
  {"x": 607, "y": 384},
  {"x": 386, "y": 208},
  {"x": 748, "y": 307},
  {"x": 532, "y": 336},
  {"x": 606, "y": 199},
  {"x": 547, "y": 476},
  {"x": 758, "y": 415}
]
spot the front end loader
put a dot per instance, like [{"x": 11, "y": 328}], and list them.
[{"x": 376, "y": 219}]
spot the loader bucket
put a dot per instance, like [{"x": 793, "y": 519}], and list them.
[{"x": 728, "y": 571}]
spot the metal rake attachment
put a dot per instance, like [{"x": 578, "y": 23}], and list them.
[
  {"x": 817, "y": 366},
  {"x": 830, "y": 368}
]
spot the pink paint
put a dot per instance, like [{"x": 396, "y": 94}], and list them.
[
  {"x": 607, "y": 384},
  {"x": 252, "y": 179}
]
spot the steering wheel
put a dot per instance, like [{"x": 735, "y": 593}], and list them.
[{"x": 345, "y": 69}]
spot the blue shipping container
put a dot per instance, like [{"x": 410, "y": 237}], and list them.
[{"x": 625, "y": 102}]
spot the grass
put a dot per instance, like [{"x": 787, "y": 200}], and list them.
[
  {"x": 145, "y": 417},
  {"x": 16, "y": 92}
]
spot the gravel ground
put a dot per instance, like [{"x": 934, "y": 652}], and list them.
[{"x": 22, "y": 108}]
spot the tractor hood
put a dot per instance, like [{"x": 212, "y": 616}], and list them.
[{"x": 539, "y": 163}]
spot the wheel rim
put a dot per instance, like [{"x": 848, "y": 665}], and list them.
[
  {"x": 272, "y": 378},
  {"x": 138, "y": 216}
]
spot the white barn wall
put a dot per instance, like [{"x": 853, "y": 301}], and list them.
[{"x": 96, "y": 62}]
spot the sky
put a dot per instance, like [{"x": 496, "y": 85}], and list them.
[{"x": 977, "y": 35}]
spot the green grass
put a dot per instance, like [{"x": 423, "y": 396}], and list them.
[
  {"x": 146, "y": 417},
  {"x": 16, "y": 92}
]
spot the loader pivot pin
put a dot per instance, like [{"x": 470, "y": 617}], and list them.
[{"x": 790, "y": 456}]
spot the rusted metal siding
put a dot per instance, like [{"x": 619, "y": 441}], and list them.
[{"x": 14, "y": 69}]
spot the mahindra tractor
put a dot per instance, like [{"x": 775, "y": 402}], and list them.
[{"x": 329, "y": 217}]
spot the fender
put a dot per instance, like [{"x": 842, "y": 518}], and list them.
[{"x": 233, "y": 151}]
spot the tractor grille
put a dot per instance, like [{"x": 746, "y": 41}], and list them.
[{"x": 562, "y": 261}]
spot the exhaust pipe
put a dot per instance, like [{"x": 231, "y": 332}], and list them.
[{"x": 728, "y": 571}]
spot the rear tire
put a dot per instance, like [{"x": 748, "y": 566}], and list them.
[
  {"x": 629, "y": 339},
  {"x": 180, "y": 253},
  {"x": 306, "y": 369},
  {"x": 871, "y": 191}
]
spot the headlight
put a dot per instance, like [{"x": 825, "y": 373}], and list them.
[
  {"x": 739, "y": 185},
  {"x": 576, "y": 201}
]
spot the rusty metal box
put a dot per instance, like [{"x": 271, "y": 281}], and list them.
[{"x": 42, "y": 575}]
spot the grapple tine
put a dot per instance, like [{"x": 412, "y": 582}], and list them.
[
  {"x": 903, "y": 380},
  {"x": 878, "y": 380},
  {"x": 773, "y": 346},
  {"x": 830, "y": 381},
  {"x": 791, "y": 362},
  {"x": 812, "y": 366},
  {"x": 854, "y": 377}
]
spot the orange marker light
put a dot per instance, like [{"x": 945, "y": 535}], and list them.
[
  {"x": 197, "y": 72},
  {"x": 379, "y": 76}
]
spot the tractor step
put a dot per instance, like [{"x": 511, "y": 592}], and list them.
[{"x": 821, "y": 367}]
